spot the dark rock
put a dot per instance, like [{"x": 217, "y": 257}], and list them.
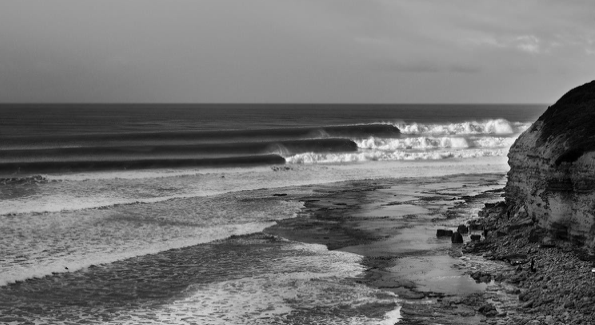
[
  {"x": 475, "y": 225},
  {"x": 511, "y": 258},
  {"x": 456, "y": 238},
  {"x": 500, "y": 233},
  {"x": 528, "y": 304},
  {"x": 444, "y": 233},
  {"x": 544, "y": 302},
  {"x": 569, "y": 304},
  {"x": 451, "y": 215},
  {"x": 280, "y": 194},
  {"x": 500, "y": 277},
  {"x": 525, "y": 296},
  {"x": 517, "y": 262},
  {"x": 479, "y": 277},
  {"x": 547, "y": 242},
  {"x": 586, "y": 256},
  {"x": 500, "y": 204},
  {"x": 410, "y": 294},
  {"x": 535, "y": 235},
  {"x": 488, "y": 310},
  {"x": 475, "y": 237},
  {"x": 463, "y": 229},
  {"x": 533, "y": 268},
  {"x": 520, "y": 224}
]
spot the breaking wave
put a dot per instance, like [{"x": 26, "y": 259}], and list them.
[
  {"x": 234, "y": 148},
  {"x": 310, "y": 158},
  {"x": 425, "y": 143},
  {"x": 495, "y": 126},
  {"x": 418, "y": 141}
]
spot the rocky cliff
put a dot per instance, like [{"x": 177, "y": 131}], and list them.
[{"x": 552, "y": 168}]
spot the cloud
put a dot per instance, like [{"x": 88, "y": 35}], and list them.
[
  {"x": 525, "y": 43},
  {"x": 528, "y": 43},
  {"x": 293, "y": 50}
]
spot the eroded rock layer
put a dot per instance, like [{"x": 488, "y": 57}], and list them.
[{"x": 552, "y": 168}]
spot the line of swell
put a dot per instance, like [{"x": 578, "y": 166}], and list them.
[
  {"x": 341, "y": 131},
  {"x": 212, "y": 150},
  {"x": 90, "y": 165}
]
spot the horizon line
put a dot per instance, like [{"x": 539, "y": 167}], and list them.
[{"x": 233, "y": 103}]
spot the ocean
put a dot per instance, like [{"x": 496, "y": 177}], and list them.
[{"x": 178, "y": 197}]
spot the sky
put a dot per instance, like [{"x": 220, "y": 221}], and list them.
[{"x": 294, "y": 51}]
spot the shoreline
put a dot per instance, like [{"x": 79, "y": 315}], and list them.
[
  {"x": 374, "y": 219},
  {"x": 398, "y": 248},
  {"x": 552, "y": 280}
]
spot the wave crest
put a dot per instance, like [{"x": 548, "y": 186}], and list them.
[
  {"x": 412, "y": 143},
  {"x": 494, "y": 126},
  {"x": 327, "y": 158},
  {"x": 430, "y": 143}
]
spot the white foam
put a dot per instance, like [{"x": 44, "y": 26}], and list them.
[
  {"x": 433, "y": 143},
  {"x": 59, "y": 203},
  {"x": 364, "y": 156},
  {"x": 76, "y": 260},
  {"x": 421, "y": 143},
  {"x": 295, "y": 284},
  {"x": 392, "y": 317},
  {"x": 494, "y": 126},
  {"x": 493, "y": 142},
  {"x": 80, "y": 238},
  {"x": 303, "y": 169},
  {"x": 142, "y": 174}
]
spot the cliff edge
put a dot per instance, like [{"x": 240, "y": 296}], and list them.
[{"x": 552, "y": 169}]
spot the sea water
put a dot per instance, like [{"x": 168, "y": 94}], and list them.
[{"x": 86, "y": 185}]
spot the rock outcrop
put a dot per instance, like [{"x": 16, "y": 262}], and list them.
[{"x": 552, "y": 169}]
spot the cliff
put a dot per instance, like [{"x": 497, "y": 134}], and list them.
[{"x": 552, "y": 168}]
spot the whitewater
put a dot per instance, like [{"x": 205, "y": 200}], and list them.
[
  {"x": 72, "y": 202},
  {"x": 74, "y": 217}
]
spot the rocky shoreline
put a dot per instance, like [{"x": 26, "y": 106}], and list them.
[
  {"x": 543, "y": 232},
  {"x": 552, "y": 277},
  {"x": 402, "y": 253}
]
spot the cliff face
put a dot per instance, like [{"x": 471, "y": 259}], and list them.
[{"x": 552, "y": 168}]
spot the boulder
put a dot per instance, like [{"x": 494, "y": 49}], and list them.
[
  {"x": 475, "y": 237},
  {"x": 488, "y": 310},
  {"x": 535, "y": 235},
  {"x": 463, "y": 229},
  {"x": 547, "y": 242},
  {"x": 444, "y": 233},
  {"x": 457, "y": 238},
  {"x": 475, "y": 225},
  {"x": 551, "y": 178},
  {"x": 479, "y": 277}
]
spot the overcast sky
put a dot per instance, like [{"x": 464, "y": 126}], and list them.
[{"x": 307, "y": 51}]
